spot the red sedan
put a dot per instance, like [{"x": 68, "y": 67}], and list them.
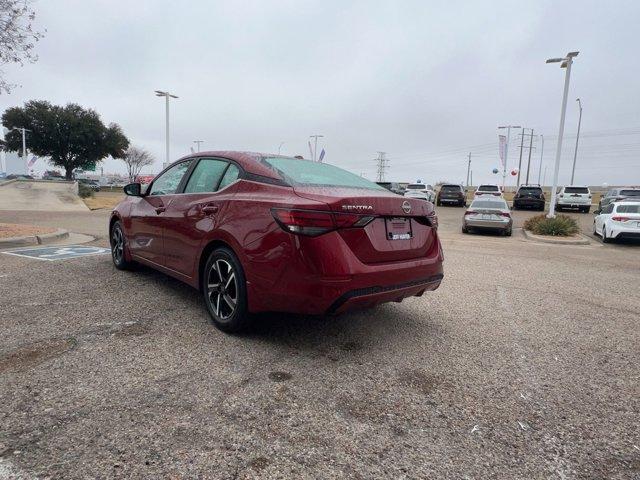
[{"x": 257, "y": 233}]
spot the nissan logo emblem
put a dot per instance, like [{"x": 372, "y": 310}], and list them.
[{"x": 406, "y": 207}]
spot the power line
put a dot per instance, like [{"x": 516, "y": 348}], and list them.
[{"x": 383, "y": 165}]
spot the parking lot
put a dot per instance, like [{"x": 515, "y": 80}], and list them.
[{"x": 524, "y": 364}]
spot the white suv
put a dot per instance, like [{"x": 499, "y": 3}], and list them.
[
  {"x": 488, "y": 190},
  {"x": 574, "y": 197},
  {"x": 422, "y": 191}
]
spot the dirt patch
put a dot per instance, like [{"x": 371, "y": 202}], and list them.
[
  {"x": 280, "y": 376},
  {"x": 419, "y": 380},
  {"x": 8, "y": 230},
  {"x": 102, "y": 200},
  {"x": 33, "y": 354}
]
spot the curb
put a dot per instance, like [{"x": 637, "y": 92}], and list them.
[
  {"x": 34, "y": 239},
  {"x": 556, "y": 240}
]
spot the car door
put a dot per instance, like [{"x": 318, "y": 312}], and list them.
[
  {"x": 145, "y": 235},
  {"x": 196, "y": 211},
  {"x": 601, "y": 219}
]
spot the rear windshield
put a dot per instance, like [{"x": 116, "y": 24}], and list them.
[
  {"x": 537, "y": 190},
  {"x": 416, "y": 186},
  {"x": 488, "y": 204},
  {"x": 630, "y": 193},
  {"x": 489, "y": 188},
  {"x": 316, "y": 174},
  {"x": 576, "y": 190},
  {"x": 451, "y": 188},
  {"x": 628, "y": 209}
]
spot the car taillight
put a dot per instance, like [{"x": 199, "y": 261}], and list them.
[
  {"x": 313, "y": 223},
  {"x": 505, "y": 214},
  {"x": 620, "y": 219},
  {"x": 497, "y": 194},
  {"x": 433, "y": 219},
  {"x": 469, "y": 212}
]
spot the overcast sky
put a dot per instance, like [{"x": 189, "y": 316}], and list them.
[{"x": 427, "y": 82}]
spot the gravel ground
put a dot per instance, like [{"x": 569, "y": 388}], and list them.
[
  {"x": 8, "y": 230},
  {"x": 524, "y": 364}
]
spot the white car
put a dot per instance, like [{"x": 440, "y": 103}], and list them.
[
  {"x": 488, "y": 189},
  {"x": 618, "y": 220},
  {"x": 575, "y": 198},
  {"x": 422, "y": 191}
]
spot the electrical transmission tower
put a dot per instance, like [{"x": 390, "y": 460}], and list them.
[{"x": 383, "y": 165}]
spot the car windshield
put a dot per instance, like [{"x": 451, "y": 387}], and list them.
[
  {"x": 488, "y": 204},
  {"x": 630, "y": 193},
  {"x": 633, "y": 208},
  {"x": 489, "y": 188},
  {"x": 537, "y": 190},
  {"x": 576, "y": 190},
  {"x": 308, "y": 173},
  {"x": 416, "y": 186},
  {"x": 450, "y": 188}
]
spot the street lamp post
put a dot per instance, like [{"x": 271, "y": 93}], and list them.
[
  {"x": 166, "y": 95},
  {"x": 280, "y": 147},
  {"x": 566, "y": 63},
  {"x": 506, "y": 151},
  {"x": 198, "y": 142},
  {"x": 541, "y": 152},
  {"x": 24, "y": 147},
  {"x": 575, "y": 152}
]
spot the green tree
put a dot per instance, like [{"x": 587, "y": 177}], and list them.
[{"x": 71, "y": 136}]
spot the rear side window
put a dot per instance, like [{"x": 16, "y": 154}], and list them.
[
  {"x": 630, "y": 193},
  {"x": 576, "y": 190},
  {"x": 168, "y": 182},
  {"x": 230, "y": 176},
  {"x": 315, "y": 174},
  {"x": 628, "y": 209},
  {"x": 205, "y": 176}
]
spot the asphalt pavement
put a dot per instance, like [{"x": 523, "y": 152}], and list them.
[{"x": 524, "y": 364}]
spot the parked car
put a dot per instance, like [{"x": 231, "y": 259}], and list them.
[
  {"x": 488, "y": 189},
  {"x": 620, "y": 219},
  {"x": 616, "y": 194},
  {"x": 529, "y": 196},
  {"x": 574, "y": 198},
  {"x": 259, "y": 233},
  {"x": 420, "y": 190},
  {"x": 392, "y": 187},
  {"x": 450, "y": 194},
  {"x": 488, "y": 213},
  {"x": 19, "y": 176},
  {"x": 92, "y": 184}
]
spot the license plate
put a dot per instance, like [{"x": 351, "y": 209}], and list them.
[
  {"x": 486, "y": 216},
  {"x": 398, "y": 228}
]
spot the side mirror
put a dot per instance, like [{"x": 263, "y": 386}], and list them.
[
  {"x": 597, "y": 212},
  {"x": 133, "y": 190}
]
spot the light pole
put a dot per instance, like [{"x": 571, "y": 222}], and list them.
[
  {"x": 541, "y": 151},
  {"x": 564, "y": 63},
  {"x": 280, "y": 147},
  {"x": 198, "y": 142},
  {"x": 24, "y": 147},
  {"x": 166, "y": 95},
  {"x": 575, "y": 152},
  {"x": 315, "y": 147},
  {"x": 506, "y": 151}
]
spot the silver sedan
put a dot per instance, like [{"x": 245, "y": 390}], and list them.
[{"x": 491, "y": 213}]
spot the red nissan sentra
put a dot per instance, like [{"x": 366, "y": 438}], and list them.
[{"x": 258, "y": 232}]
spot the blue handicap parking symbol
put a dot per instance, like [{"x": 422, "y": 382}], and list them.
[{"x": 62, "y": 252}]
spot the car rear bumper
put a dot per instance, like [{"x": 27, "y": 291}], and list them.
[
  {"x": 573, "y": 204},
  {"x": 528, "y": 202},
  {"x": 618, "y": 232},
  {"x": 497, "y": 224}
]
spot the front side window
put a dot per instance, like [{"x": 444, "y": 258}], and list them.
[
  {"x": 205, "y": 176},
  {"x": 168, "y": 182},
  {"x": 315, "y": 174},
  {"x": 608, "y": 208}
]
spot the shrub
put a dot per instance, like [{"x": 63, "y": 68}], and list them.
[
  {"x": 561, "y": 226},
  {"x": 84, "y": 191}
]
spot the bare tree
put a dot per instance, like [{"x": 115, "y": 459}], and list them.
[
  {"x": 136, "y": 159},
  {"x": 17, "y": 36}
]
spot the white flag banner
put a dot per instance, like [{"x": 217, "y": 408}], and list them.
[{"x": 502, "y": 148}]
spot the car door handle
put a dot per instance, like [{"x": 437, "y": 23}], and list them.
[
  {"x": 160, "y": 210},
  {"x": 209, "y": 209}
]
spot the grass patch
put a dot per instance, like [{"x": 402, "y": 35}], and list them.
[
  {"x": 84, "y": 191},
  {"x": 561, "y": 226}
]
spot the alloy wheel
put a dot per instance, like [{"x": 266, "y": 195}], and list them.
[
  {"x": 222, "y": 289},
  {"x": 117, "y": 244}
]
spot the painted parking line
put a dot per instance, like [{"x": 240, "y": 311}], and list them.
[{"x": 58, "y": 253}]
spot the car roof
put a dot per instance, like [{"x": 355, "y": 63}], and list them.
[{"x": 249, "y": 161}]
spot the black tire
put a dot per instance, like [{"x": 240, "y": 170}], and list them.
[
  {"x": 438, "y": 203},
  {"x": 507, "y": 233},
  {"x": 465, "y": 230},
  {"x": 605, "y": 239},
  {"x": 224, "y": 289},
  {"x": 514, "y": 206},
  {"x": 586, "y": 209},
  {"x": 118, "y": 243}
]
